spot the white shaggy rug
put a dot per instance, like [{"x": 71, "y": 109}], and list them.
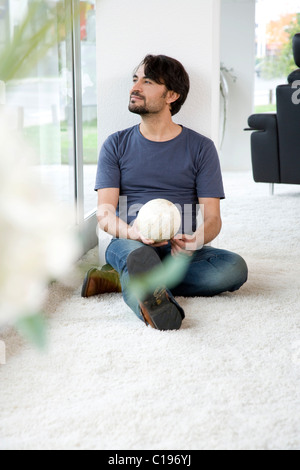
[{"x": 229, "y": 379}]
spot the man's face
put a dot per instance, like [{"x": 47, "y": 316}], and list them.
[{"x": 147, "y": 96}]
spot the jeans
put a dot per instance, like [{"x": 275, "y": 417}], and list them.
[{"x": 210, "y": 272}]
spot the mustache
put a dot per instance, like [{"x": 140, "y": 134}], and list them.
[{"x": 135, "y": 93}]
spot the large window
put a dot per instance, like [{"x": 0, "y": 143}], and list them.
[
  {"x": 276, "y": 24},
  {"x": 55, "y": 106}
]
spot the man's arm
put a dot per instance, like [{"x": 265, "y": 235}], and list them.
[
  {"x": 208, "y": 231},
  {"x": 212, "y": 222},
  {"x": 108, "y": 200}
]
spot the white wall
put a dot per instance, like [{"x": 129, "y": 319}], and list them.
[
  {"x": 187, "y": 30},
  {"x": 238, "y": 52}
]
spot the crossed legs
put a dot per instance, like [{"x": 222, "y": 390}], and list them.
[{"x": 211, "y": 271}]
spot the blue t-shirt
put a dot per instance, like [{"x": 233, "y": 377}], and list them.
[{"x": 181, "y": 170}]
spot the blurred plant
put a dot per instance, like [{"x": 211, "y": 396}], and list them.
[
  {"x": 169, "y": 274},
  {"x": 27, "y": 46},
  {"x": 37, "y": 242}
]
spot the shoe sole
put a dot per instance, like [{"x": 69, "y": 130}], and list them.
[
  {"x": 164, "y": 316},
  {"x": 161, "y": 313}
]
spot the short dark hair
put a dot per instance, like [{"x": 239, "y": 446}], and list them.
[{"x": 170, "y": 72}]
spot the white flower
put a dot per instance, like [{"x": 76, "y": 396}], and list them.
[{"x": 37, "y": 243}]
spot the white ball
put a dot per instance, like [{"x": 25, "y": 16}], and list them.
[{"x": 159, "y": 219}]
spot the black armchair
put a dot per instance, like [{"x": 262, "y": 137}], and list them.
[{"x": 275, "y": 144}]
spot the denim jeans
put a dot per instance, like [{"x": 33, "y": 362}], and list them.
[{"x": 210, "y": 272}]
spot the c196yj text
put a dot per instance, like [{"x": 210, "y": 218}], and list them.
[{"x": 157, "y": 459}]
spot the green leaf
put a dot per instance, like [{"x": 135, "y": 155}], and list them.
[
  {"x": 33, "y": 329},
  {"x": 168, "y": 274}
]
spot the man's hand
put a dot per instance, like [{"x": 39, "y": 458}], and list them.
[{"x": 183, "y": 243}]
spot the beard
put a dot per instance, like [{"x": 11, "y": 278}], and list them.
[
  {"x": 137, "y": 108},
  {"x": 142, "y": 108}
]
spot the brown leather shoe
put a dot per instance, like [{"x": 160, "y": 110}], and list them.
[{"x": 101, "y": 281}]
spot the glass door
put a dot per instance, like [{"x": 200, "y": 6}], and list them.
[
  {"x": 41, "y": 103},
  {"x": 89, "y": 102},
  {"x": 55, "y": 105},
  {"x": 85, "y": 116}
]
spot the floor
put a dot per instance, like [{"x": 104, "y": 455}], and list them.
[{"x": 228, "y": 379}]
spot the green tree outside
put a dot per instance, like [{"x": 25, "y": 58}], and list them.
[{"x": 282, "y": 64}]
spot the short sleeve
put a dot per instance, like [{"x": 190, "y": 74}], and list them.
[
  {"x": 108, "y": 171},
  {"x": 209, "y": 182}
]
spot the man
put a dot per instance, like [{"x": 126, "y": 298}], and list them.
[{"x": 161, "y": 159}]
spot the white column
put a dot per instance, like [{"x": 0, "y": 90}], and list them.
[
  {"x": 238, "y": 52},
  {"x": 185, "y": 30}
]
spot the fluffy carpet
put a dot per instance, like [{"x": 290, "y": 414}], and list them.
[{"x": 229, "y": 379}]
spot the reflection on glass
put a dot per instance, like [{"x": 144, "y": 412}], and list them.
[
  {"x": 41, "y": 103},
  {"x": 89, "y": 101}
]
